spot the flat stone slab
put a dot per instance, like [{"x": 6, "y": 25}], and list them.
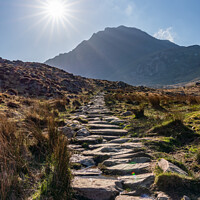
[
  {"x": 96, "y": 188},
  {"x": 84, "y": 160},
  {"x": 127, "y": 169},
  {"x": 87, "y": 172},
  {"x": 111, "y": 162},
  {"x": 109, "y": 119},
  {"x": 119, "y": 146},
  {"x": 113, "y": 132},
  {"x": 126, "y": 197},
  {"x": 98, "y": 122},
  {"x": 131, "y": 155},
  {"x": 96, "y": 115},
  {"x": 117, "y": 121},
  {"x": 92, "y": 139},
  {"x": 135, "y": 181},
  {"x": 120, "y": 140},
  {"x": 103, "y": 126}
]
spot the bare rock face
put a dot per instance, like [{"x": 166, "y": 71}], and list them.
[
  {"x": 96, "y": 188},
  {"x": 167, "y": 166}
]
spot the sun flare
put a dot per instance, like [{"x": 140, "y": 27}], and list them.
[{"x": 56, "y": 8}]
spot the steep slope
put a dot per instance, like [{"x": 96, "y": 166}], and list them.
[
  {"x": 169, "y": 67},
  {"x": 109, "y": 51},
  {"x": 40, "y": 80}
]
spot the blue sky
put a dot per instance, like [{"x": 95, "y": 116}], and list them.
[{"x": 29, "y": 35}]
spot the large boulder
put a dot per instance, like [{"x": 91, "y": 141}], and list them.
[{"x": 167, "y": 166}]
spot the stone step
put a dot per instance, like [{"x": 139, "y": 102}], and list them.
[
  {"x": 96, "y": 115},
  {"x": 127, "y": 169},
  {"x": 111, "y": 118},
  {"x": 95, "y": 188},
  {"x": 87, "y": 172},
  {"x": 103, "y": 126},
  {"x": 131, "y": 155},
  {"x": 98, "y": 122},
  {"x": 111, "y": 162},
  {"x": 134, "y": 181},
  {"x": 126, "y": 197},
  {"x": 113, "y": 132},
  {"x": 120, "y": 140}
]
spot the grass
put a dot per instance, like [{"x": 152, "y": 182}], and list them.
[
  {"x": 170, "y": 125},
  {"x": 34, "y": 156},
  {"x": 174, "y": 184}
]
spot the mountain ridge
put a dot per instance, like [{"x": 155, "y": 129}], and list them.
[
  {"x": 105, "y": 50},
  {"x": 124, "y": 53}
]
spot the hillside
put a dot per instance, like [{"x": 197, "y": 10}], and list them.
[
  {"x": 40, "y": 80},
  {"x": 107, "y": 52},
  {"x": 168, "y": 67}
]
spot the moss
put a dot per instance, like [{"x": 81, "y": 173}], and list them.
[{"x": 169, "y": 182}]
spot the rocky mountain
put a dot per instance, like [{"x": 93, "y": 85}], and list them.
[
  {"x": 177, "y": 66},
  {"x": 133, "y": 56},
  {"x": 40, "y": 80},
  {"x": 108, "y": 51}
]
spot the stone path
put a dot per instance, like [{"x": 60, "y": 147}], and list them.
[{"x": 113, "y": 166}]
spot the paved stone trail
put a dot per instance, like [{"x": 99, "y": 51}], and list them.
[{"x": 115, "y": 166}]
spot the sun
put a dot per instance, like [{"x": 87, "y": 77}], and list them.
[{"x": 55, "y": 9}]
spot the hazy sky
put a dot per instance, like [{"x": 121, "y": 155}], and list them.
[{"x": 29, "y": 33}]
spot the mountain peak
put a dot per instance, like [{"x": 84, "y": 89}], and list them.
[{"x": 107, "y": 52}]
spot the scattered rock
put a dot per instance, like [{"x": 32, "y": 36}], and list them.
[
  {"x": 128, "y": 113},
  {"x": 83, "y": 132},
  {"x": 185, "y": 198},
  {"x": 117, "y": 121},
  {"x": 162, "y": 196},
  {"x": 67, "y": 131},
  {"x": 167, "y": 166}
]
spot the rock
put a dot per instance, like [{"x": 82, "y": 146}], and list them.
[
  {"x": 83, "y": 132},
  {"x": 97, "y": 122},
  {"x": 87, "y": 172},
  {"x": 137, "y": 181},
  {"x": 162, "y": 196},
  {"x": 128, "y": 113},
  {"x": 120, "y": 140},
  {"x": 185, "y": 198},
  {"x": 67, "y": 131},
  {"x": 111, "y": 132},
  {"x": 126, "y": 197},
  {"x": 109, "y": 119},
  {"x": 96, "y": 188},
  {"x": 103, "y": 126},
  {"x": 84, "y": 160},
  {"x": 117, "y": 121},
  {"x": 167, "y": 166},
  {"x": 128, "y": 169}
]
